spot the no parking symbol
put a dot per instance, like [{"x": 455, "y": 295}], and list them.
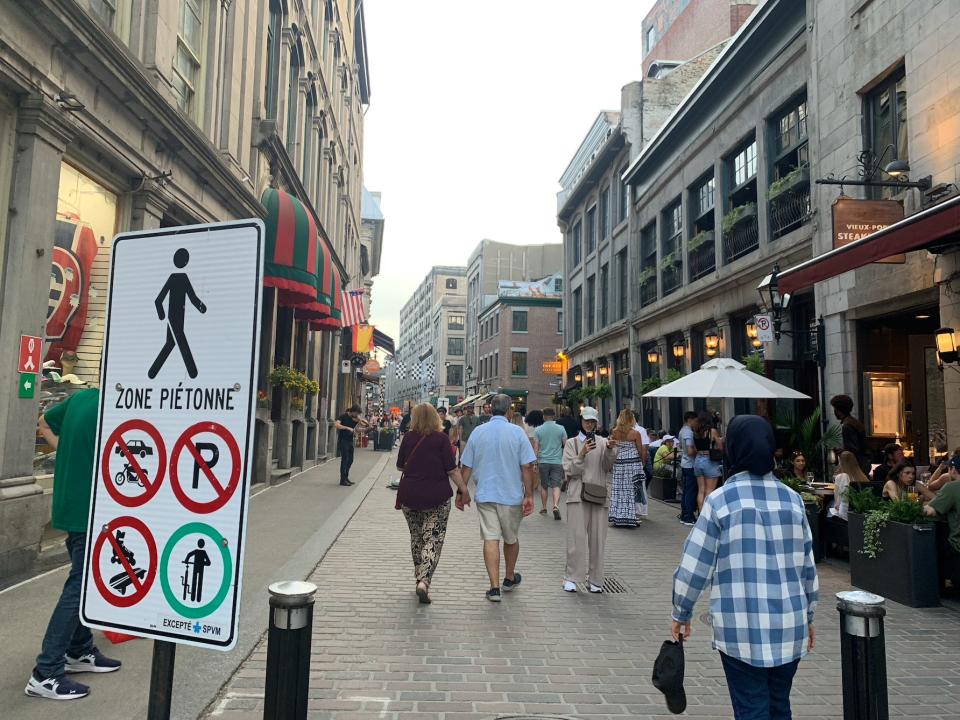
[{"x": 205, "y": 467}]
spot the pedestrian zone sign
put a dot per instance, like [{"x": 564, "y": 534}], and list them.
[{"x": 168, "y": 514}]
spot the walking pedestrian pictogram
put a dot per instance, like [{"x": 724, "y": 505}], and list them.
[
  {"x": 125, "y": 561},
  {"x": 193, "y": 461},
  {"x": 134, "y": 463},
  {"x": 178, "y": 290}
]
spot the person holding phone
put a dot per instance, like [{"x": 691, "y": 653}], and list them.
[{"x": 588, "y": 464}]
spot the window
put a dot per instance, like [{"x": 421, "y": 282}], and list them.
[
  {"x": 560, "y": 322},
  {"x": 496, "y": 363},
  {"x": 577, "y": 314},
  {"x": 591, "y": 229},
  {"x": 885, "y": 109},
  {"x": 622, "y": 280},
  {"x": 591, "y": 303},
  {"x": 311, "y": 110},
  {"x": 451, "y": 284},
  {"x": 455, "y": 321},
  {"x": 651, "y": 38},
  {"x": 648, "y": 264},
  {"x": 189, "y": 56},
  {"x": 701, "y": 249},
  {"x": 293, "y": 89},
  {"x": 519, "y": 321},
  {"x": 671, "y": 251},
  {"x": 106, "y": 10},
  {"x": 624, "y": 198},
  {"x": 273, "y": 58},
  {"x": 577, "y": 243},
  {"x": 496, "y": 323},
  {"x": 704, "y": 197},
  {"x": 789, "y": 191},
  {"x": 454, "y": 374},
  {"x": 518, "y": 364},
  {"x": 483, "y": 331},
  {"x": 604, "y": 226},
  {"x": 557, "y": 284},
  {"x": 745, "y": 164},
  {"x": 604, "y": 294},
  {"x": 455, "y": 346}
]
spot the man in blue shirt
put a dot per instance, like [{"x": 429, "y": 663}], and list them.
[
  {"x": 500, "y": 457},
  {"x": 752, "y": 543},
  {"x": 688, "y": 451},
  {"x": 549, "y": 439}
]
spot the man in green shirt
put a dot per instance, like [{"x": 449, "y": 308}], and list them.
[
  {"x": 947, "y": 504},
  {"x": 70, "y": 428},
  {"x": 549, "y": 440}
]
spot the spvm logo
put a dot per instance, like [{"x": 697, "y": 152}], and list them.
[{"x": 199, "y": 629}]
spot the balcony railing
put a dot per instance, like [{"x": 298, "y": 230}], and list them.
[
  {"x": 648, "y": 291},
  {"x": 789, "y": 210},
  {"x": 703, "y": 258},
  {"x": 743, "y": 238},
  {"x": 671, "y": 277}
]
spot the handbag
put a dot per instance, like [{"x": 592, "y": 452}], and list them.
[
  {"x": 593, "y": 493},
  {"x": 716, "y": 454},
  {"x": 397, "y": 505}
]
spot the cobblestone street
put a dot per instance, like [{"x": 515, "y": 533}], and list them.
[{"x": 377, "y": 653}]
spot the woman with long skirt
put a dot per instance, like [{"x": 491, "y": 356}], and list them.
[{"x": 628, "y": 475}]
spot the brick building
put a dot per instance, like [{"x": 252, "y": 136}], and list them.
[{"x": 518, "y": 332}]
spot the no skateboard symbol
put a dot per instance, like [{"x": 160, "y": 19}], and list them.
[
  {"x": 119, "y": 565},
  {"x": 197, "y": 474},
  {"x": 124, "y": 467}
]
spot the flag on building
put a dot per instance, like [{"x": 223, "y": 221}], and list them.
[
  {"x": 363, "y": 338},
  {"x": 352, "y": 308}
]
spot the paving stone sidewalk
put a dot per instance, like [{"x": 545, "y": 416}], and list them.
[{"x": 377, "y": 653}]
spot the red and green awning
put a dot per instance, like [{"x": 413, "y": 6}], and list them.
[
  {"x": 292, "y": 249},
  {"x": 320, "y": 308},
  {"x": 333, "y": 321}
]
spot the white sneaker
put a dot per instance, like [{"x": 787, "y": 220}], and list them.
[
  {"x": 595, "y": 588},
  {"x": 569, "y": 586}
]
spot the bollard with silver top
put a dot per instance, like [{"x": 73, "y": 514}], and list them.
[
  {"x": 863, "y": 655},
  {"x": 288, "y": 650}
]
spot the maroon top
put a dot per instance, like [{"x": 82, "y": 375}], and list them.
[{"x": 425, "y": 481}]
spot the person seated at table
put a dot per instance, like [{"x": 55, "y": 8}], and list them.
[
  {"x": 901, "y": 481},
  {"x": 797, "y": 469},
  {"x": 666, "y": 454},
  {"x": 850, "y": 473},
  {"x": 892, "y": 454},
  {"x": 946, "y": 504},
  {"x": 942, "y": 475}
]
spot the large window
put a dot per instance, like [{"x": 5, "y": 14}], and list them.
[
  {"x": 560, "y": 321},
  {"x": 577, "y": 314},
  {"x": 591, "y": 229},
  {"x": 624, "y": 205},
  {"x": 671, "y": 251},
  {"x": 745, "y": 164},
  {"x": 789, "y": 191},
  {"x": 701, "y": 247},
  {"x": 454, "y": 374},
  {"x": 455, "y": 321},
  {"x": 496, "y": 323},
  {"x": 648, "y": 265},
  {"x": 604, "y": 209},
  {"x": 455, "y": 346},
  {"x": 622, "y": 280},
  {"x": 604, "y": 295},
  {"x": 519, "y": 321},
  {"x": 591, "y": 304},
  {"x": 740, "y": 231},
  {"x": 189, "y": 56},
  {"x": 273, "y": 58},
  {"x": 293, "y": 89},
  {"x": 577, "y": 243},
  {"x": 518, "y": 363},
  {"x": 885, "y": 108}
]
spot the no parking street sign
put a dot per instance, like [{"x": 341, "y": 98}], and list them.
[{"x": 164, "y": 557}]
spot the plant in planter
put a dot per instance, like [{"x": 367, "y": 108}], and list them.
[
  {"x": 668, "y": 261},
  {"x": 792, "y": 181},
  {"x": 650, "y": 384},
  {"x": 902, "y": 511},
  {"x": 263, "y": 399},
  {"x": 804, "y": 435},
  {"x": 754, "y": 363},
  {"x": 603, "y": 392},
  {"x": 701, "y": 238},
  {"x": 672, "y": 374},
  {"x": 646, "y": 274},
  {"x": 737, "y": 215}
]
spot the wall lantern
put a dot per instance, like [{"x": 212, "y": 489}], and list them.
[
  {"x": 653, "y": 356},
  {"x": 753, "y": 334},
  {"x": 711, "y": 341},
  {"x": 772, "y": 301},
  {"x": 679, "y": 349},
  {"x": 578, "y": 378},
  {"x": 604, "y": 371},
  {"x": 946, "y": 347},
  {"x": 590, "y": 374}
]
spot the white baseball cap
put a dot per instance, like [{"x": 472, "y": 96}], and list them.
[
  {"x": 667, "y": 437},
  {"x": 589, "y": 413}
]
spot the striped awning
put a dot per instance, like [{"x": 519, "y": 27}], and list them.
[
  {"x": 321, "y": 307},
  {"x": 333, "y": 321},
  {"x": 291, "y": 257}
]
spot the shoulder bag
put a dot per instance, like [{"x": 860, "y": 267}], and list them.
[
  {"x": 593, "y": 493},
  {"x": 397, "y": 504},
  {"x": 716, "y": 454}
]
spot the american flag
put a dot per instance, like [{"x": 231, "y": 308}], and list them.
[{"x": 352, "y": 308}]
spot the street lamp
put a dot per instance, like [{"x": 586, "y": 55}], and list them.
[
  {"x": 711, "y": 341},
  {"x": 772, "y": 301}
]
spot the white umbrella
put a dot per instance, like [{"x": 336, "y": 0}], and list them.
[{"x": 726, "y": 378}]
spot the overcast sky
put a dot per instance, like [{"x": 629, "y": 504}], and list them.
[{"x": 477, "y": 107}]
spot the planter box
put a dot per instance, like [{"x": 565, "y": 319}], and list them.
[
  {"x": 800, "y": 181},
  {"x": 663, "y": 488},
  {"x": 749, "y": 213},
  {"x": 384, "y": 440},
  {"x": 905, "y": 571}
]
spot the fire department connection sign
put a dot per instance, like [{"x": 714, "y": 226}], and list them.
[{"x": 177, "y": 403}]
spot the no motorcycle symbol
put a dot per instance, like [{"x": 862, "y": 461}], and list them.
[{"x": 128, "y": 447}]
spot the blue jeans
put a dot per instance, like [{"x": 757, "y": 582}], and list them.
[
  {"x": 759, "y": 693},
  {"x": 64, "y": 633},
  {"x": 688, "y": 503}
]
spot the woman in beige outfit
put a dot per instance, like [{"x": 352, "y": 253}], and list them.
[{"x": 587, "y": 458}]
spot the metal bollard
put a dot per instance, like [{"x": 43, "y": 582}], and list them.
[
  {"x": 288, "y": 650},
  {"x": 863, "y": 655}
]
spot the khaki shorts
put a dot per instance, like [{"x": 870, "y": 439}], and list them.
[{"x": 500, "y": 522}]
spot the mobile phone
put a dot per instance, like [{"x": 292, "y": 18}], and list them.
[{"x": 591, "y": 437}]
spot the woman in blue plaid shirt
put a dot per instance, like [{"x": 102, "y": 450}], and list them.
[{"x": 752, "y": 543}]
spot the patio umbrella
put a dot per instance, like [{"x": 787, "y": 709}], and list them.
[{"x": 726, "y": 378}]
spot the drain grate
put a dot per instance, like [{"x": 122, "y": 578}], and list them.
[{"x": 611, "y": 584}]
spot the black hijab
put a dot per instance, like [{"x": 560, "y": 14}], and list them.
[{"x": 750, "y": 445}]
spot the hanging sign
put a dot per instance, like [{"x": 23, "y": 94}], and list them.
[
  {"x": 168, "y": 515},
  {"x": 856, "y": 219},
  {"x": 30, "y": 346}
]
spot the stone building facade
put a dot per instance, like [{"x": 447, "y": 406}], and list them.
[
  {"x": 489, "y": 263},
  {"x": 432, "y": 343},
  {"x": 520, "y": 331},
  {"x": 137, "y": 115}
]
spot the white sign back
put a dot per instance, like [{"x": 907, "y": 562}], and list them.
[
  {"x": 764, "y": 328},
  {"x": 168, "y": 514}
]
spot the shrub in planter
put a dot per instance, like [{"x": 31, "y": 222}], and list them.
[
  {"x": 738, "y": 215},
  {"x": 650, "y": 384}
]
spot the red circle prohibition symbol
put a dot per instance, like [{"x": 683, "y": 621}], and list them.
[
  {"x": 224, "y": 492},
  {"x": 150, "y": 486},
  {"x": 140, "y": 586}
]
